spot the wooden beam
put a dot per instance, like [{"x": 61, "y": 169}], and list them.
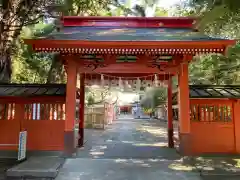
[
  {"x": 98, "y": 21},
  {"x": 48, "y": 44},
  {"x": 109, "y": 59},
  {"x": 143, "y": 59}
]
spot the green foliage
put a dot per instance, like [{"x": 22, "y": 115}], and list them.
[
  {"x": 27, "y": 65},
  {"x": 232, "y": 5},
  {"x": 216, "y": 69},
  {"x": 160, "y": 12},
  {"x": 90, "y": 100},
  {"x": 30, "y": 70},
  {"x": 141, "y": 8},
  {"x": 15, "y": 15},
  {"x": 213, "y": 12},
  {"x": 96, "y": 95},
  {"x": 218, "y": 18},
  {"x": 41, "y": 68},
  {"x": 96, "y": 8},
  {"x": 153, "y": 97}
]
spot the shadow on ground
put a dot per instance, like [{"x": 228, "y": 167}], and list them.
[
  {"x": 129, "y": 139},
  {"x": 137, "y": 150},
  {"x": 5, "y": 164},
  {"x": 228, "y": 166},
  {"x": 124, "y": 169}
]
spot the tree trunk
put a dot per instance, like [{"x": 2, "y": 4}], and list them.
[
  {"x": 7, "y": 44},
  {"x": 5, "y": 68},
  {"x": 55, "y": 74}
]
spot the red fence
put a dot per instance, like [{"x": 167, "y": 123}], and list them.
[
  {"x": 212, "y": 126},
  {"x": 43, "y": 121}
]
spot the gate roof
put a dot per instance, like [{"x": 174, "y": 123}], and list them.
[{"x": 129, "y": 35}]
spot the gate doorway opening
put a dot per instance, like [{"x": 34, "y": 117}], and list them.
[{"x": 136, "y": 51}]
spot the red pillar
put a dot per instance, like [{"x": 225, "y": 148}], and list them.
[
  {"x": 236, "y": 117},
  {"x": 184, "y": 110},
  {"x": 81, "y": 111},
  {"x": 170, "y": 114},
  {"x": 69, "y": 134}
]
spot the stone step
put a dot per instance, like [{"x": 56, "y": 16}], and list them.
[{"x": 36, "y": 168}]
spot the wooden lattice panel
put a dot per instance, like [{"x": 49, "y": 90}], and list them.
[
  {"x": 48, "y": 111},
  {"x": 7, "y": 111},
  {"x": 211, "y": 112}
]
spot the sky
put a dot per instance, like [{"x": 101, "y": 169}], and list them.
[
  {"x": 149, "y": 10},
  {"x": 167, "y": 3},
  {"x": 162, "y": 3},
  {"x": 126, "y": 98}
]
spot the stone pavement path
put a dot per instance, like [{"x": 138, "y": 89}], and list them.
[
  {"x": 128, "y": 149},
  {"x": 4, "y": 165}
]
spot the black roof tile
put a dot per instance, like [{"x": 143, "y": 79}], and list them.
[
  {"x": 127, "y": 34},
  {"x": 215, "y": 91},
  {"x": 212, "y": 91},
  {"x": 31, "y": 90}
]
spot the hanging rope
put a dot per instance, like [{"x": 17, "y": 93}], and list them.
[
  {"x": 102, "y": 80},
  {"x": 138, "y": 84},
  {"x": 120, "y": 83},
  {"x": 156, "y": 80},
  {"x": 132, "y": 77},
  {"x": 124, "y": 81}
]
